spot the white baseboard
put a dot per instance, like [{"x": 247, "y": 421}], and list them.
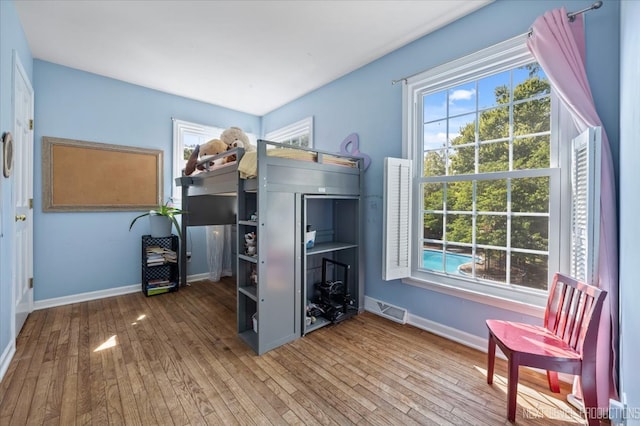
[
  {"x": 462, "y": 337},
  {"x": 85, "y": 297},
  {"x": 436, "y": 328},
  {"x": 197, "y": 277},
  {"x": 6, "y": 357},
  {"x": 100, "y": 294}
]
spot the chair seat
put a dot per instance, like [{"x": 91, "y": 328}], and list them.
[{"x": 531, "y": 339}]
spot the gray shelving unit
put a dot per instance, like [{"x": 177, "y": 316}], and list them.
[
  {"x": 336, "y": 220},
  {"x": 268, "y": 309}
]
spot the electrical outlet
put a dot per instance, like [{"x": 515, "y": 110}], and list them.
[{"x": 188, "y": 256}]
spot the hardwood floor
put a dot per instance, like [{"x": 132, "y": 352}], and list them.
[{"x": 176, "y": 359}]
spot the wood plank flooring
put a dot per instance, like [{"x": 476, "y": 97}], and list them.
[{"x": 175, "y": 359}]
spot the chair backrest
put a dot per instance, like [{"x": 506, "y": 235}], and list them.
[{"x": 573, "y": 311}]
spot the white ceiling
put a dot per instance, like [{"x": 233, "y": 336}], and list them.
[{"x": 250, "y": 56}]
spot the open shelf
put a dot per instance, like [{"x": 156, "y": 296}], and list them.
[
  {"x": 249, "y": 291},
  {"x": 248, "y": 222},
  {"x": 253, "y": 259},
  {"x": 329, "y": 247},
  {"x": 250, "y": 337},
  {"x": 320, "y": 322},
  {"x": 336, "y": 220}
]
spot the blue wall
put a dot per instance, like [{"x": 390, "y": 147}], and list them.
[
  {"x": 365, "y": 102},
  {"x": 82, "y": 252},
  {"x": 629, "y": 203},
  {"x": 12, "y": 39}
]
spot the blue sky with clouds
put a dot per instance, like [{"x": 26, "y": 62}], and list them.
[{"x": 461, "y": 102}]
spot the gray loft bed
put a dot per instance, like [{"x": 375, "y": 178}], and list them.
[{"x": 211, "y": 197}]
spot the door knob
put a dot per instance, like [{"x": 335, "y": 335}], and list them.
[{"x": 21, "y": 217}]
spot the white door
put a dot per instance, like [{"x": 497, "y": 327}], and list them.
[{"x": 22, "y": 195}]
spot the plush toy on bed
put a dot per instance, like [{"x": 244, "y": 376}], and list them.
[
  {"x": 214, "y": 146},
  {"x": 234, "y": 137}
]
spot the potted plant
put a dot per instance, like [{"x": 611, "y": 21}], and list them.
[{"x": 161, "y": 220}]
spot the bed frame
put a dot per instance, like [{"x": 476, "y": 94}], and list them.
[
  {"x": 210, "y": 197},
  {"x": 285, "y": 193}
]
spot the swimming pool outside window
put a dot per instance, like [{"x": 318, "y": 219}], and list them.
[{"x": 450, "y": 262}]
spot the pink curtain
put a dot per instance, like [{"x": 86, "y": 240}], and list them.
[{"x": 559, "y": 47}]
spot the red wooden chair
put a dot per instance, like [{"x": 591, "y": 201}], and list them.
[{"x": 566, "y": 343}]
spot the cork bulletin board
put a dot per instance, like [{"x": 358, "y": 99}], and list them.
[{"x": 90, "y": 176}]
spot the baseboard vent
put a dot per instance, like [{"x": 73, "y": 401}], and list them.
[{"x": 394, "y": 313}]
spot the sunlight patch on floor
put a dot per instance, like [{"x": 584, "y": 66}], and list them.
[
  {"x": 109, "y": 343},
  {"x": 533, "y": 404},
  {"x": 140, "y": 318}
]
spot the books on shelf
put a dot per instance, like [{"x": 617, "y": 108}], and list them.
[
  {"x": 159, "y": 256},
  {"x": 150, "y": 291},
  {"x": 160, "y": 271},
  {"x": 160, "y": 283}
]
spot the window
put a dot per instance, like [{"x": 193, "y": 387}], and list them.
[
  {"x": 486, "y": 180},
  {"x": 186, "y": 136},
  {"x": 298, "y": 134}
]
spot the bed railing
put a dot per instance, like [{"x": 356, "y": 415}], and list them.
[
  {"x": 263, "y": 145},
  {"x": 207, "y": 160}
]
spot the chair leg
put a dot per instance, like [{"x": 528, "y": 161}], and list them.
[
  {"x": 512, "y": 389},
  {"x": 552, "y": 377},
  {"x": 590, "y": 400},
  {"x": 491, "y": 359}
]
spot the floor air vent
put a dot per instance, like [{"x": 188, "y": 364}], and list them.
[{"x": 394, "y": 313}]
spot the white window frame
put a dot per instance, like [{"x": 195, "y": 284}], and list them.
[
  {"x": 293, "y": 131},
  {"x": 180, "y": 128},
  {"x": 506, "y": 55}
]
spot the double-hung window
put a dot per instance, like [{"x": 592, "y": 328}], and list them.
[{"x": 486, "y": 182}]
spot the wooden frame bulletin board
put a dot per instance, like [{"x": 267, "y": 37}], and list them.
[{"x": 90, "y": 176}]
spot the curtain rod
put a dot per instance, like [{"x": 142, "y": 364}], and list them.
[{"x": 571, "y": 16}]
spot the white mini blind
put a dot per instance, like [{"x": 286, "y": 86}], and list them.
[
  {"x": 396, "y": 252},
  {"x": 585, "y": 205}
]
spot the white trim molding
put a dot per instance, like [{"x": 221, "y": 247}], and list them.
[
  {"x": 101, "y": 294},
  {"x": 6, "y": 357}
]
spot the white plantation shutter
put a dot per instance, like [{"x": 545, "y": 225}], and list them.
[
  {"x": 396, "y": 252},
  {"x": 585, "y": 205}
]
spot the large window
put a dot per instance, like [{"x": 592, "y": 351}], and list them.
[{"x": 486, "y": 182}]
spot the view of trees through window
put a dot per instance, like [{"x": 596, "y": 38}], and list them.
[
  {"x": 486, "y": 178},
  {"x": 186, "y": 135},
  {"x": 191, "y": 139},
  {"x": 302, "y": 140}
]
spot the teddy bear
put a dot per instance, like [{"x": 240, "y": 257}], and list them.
[
  {"x": 234, "y": 137},
  {"x": 214, "y": 146}
]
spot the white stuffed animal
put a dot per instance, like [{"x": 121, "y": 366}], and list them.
[{"x": 234, "y": 137}]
